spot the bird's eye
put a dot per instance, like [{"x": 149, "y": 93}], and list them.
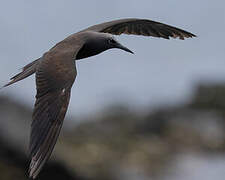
[{"x": 112, "y": 41}]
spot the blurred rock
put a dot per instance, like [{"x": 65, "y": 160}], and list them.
[
  {"x": 210, "y": 97},
  {"x": 119, "y": 143},
  {"x": 14, "y": 165}
]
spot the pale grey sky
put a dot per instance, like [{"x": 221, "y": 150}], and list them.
[{"x": 161, "y": 71}]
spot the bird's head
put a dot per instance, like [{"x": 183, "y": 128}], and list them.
[
  {"x": 99, "y": 42},
  {"x": 111, "y": 42}
]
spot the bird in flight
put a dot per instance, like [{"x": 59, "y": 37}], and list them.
[{"x": 55, "y": 74}]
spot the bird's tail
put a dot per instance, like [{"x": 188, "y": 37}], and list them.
[{"x": 27, "y": 70}]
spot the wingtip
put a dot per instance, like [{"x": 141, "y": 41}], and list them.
[
  {"x": 32, "y": 174},
  {"x": 9, "y": 83},
  {"x": 187, "y": 37},
  {"x": 31, "y": 177},
  {"x": 192, "y": 35},
  {"x": 4, "y": 86},
  {"x": 31, "y": 170},
  {"x": 35, "y": 167}
]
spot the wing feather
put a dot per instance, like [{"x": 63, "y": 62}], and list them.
[
  {"x": 45, "y": 133},
  {"x": 142, "y": 27},
  {"x": 55, "y": 76}
]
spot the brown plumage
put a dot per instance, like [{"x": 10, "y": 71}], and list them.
[
  {"x": 142, "y": 27},
  {"x": 56, "y": 72}
]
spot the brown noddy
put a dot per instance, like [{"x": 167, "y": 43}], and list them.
[{"x": 56, "y": 71}]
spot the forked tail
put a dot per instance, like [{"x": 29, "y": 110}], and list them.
[{"x": 27, "y": 70}]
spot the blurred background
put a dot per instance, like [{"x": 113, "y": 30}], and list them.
[{"x": 158, "y": 114}]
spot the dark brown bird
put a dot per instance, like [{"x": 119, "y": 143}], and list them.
[{"x": 56, "y": 72}]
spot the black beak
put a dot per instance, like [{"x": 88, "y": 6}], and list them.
[{"x": 120, "y": 46}]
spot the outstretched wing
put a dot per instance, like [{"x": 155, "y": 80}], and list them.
[
  {"x": 140, "y": 27},
  {"x": 54, "y": 78},
  {"x": 48, "y": 117}
]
